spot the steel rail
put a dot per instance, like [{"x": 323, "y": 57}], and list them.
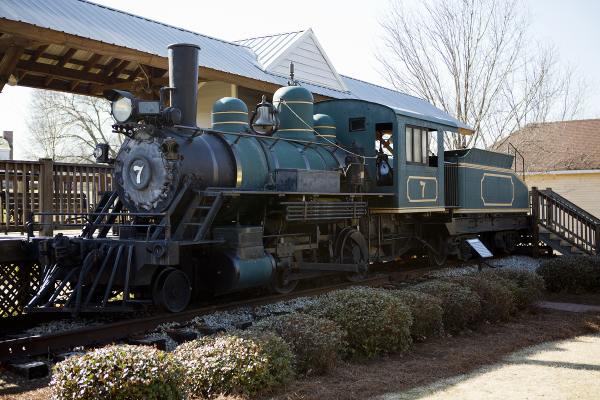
[{"x": 43, "y": 344}]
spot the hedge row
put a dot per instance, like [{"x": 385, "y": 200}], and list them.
[
  {"x": 344, "y": 323},
  {"x": 573, "y": 274}
]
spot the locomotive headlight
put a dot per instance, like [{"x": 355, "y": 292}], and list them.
[
  {"x": 121, "y": 109},
  {"x": 98, "y": 152},
  {"x": 122, "y": 104},
  {"x": 101, "y": 153}
]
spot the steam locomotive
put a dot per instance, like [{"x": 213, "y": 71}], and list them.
[{"x": 300, "y": 190}]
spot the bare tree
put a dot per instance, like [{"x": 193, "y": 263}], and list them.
[
  {"x": 477, "y": 61},
  {"x": 67, "y": 127}
]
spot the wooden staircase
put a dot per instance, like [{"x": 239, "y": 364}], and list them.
[
  {"x": 562, "y": 225},
  {"x": 557, "y": 243}
]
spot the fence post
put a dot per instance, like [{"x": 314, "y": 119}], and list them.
[
  {"x": 535, "y": 207},
  {"x": 46, "y": 190}
]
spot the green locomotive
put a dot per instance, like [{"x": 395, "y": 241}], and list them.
[{"x": 297, "y": 191}]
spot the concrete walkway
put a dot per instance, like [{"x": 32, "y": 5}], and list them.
[
  {"x": 568, "y": 307},
  {"x": 567, "y": 369}
]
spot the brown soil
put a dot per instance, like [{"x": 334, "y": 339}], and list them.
[{"x": 425, "y": 362}]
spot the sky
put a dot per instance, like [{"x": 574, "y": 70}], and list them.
[{"x": 348, "y": 31}]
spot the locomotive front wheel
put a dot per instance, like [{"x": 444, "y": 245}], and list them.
[
  {"x": 282, "y": 283},
  {"x": 438, "y": 244},
  {"x": 172, "y": 290}
]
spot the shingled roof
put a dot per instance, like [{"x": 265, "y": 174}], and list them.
[{"x": 557, "y": 146}]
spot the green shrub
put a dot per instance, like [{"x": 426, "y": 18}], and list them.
[
  {"x": 316, "y": 342},
  {"x": 238, "y": 362},
  {"x": 530, "y": 284},
  {"x": 426, "y": 311},
  {"x": 574, "y": 274},
  {"x": 512, "y": 286},
  {"x": 119, "y": 372},
  {"x": 497, "y": 301},
  {"x": 460, "y": 304},
  {"x": 375, "y": 321}
]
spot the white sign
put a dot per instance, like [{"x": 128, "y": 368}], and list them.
[{"x": 479, "y": 248}]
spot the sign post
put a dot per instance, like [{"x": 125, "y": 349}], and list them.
[{"x": 481, "y": 250}]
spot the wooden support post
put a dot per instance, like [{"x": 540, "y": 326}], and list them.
[
  {"x": 46, "y": 191},
  {"x": 597, "y": 239},
  {"x": 549, "y": 213},
  {"x": 535, "y": 207}
]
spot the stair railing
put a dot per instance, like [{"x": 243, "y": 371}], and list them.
[
  {"x": 522, "y": 159},
  {"x": 566, "y": 220}
]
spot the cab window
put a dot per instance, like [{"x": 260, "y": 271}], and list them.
[{"x": 417, "y": 145}]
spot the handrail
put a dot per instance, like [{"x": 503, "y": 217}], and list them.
[
  {"x": 563, "y": 218},
  {"x": 519, "y": 153}
]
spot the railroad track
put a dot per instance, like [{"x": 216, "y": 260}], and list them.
[{"x": 14, "y": 350}]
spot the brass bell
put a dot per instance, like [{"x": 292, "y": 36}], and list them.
[{"x": 265, "y": 121}]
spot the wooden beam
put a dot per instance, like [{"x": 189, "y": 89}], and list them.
[
  {"x": 35, "y": 57},
  {"x": 9, "y": 62},
  {"x": 135, "y": 73},
  {"x": 61, "y": 63},
  {"x": 111, "y": 67},
  {"x": 7, "y": 41},
  {"x": 92, "y": 62},
  {"x": 119, "y": 70},
  {"x": 92, "y": 88},
  {"x": 47, "y": 80},
  {"x": 38, "y": 83},
  {"x": 67, "y": 57},
  {"x": 39, "y": 52},
  {"x": 66, "y": 73},
  {"x": 73, "y": 84}
]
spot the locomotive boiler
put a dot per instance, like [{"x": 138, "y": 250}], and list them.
[{"x": 296, "y": 191}]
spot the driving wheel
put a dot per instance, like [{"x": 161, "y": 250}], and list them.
[
  {"x": 438, "y": 244},
  {"x": 282, "y": 283},
  {"x": 351, "y": 248},
  {"x": 172, "y": 290}
]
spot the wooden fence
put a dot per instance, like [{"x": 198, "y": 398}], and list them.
[{"x": 44, "y": 186}]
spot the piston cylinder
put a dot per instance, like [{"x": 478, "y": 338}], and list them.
[{"x": 230, "y": 272}]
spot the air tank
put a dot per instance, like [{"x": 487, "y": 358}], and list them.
[
  {"x": 230, "y": 114},
  {"x": 295, "y": 105},
  {"x": 325, "y": 127}
]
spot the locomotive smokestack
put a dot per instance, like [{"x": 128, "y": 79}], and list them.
[{"x": 183, "y": 75}]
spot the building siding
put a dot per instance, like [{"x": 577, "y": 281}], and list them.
[
  {"x": 581, "y": 189},
  {"x": 309, "y": 64},
  {"x": 208, "y": 94}
]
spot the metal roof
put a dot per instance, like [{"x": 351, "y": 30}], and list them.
[
  {"x": 93, "y": 21},
  {"x": 402, "y": 103},
  {"x": 269, "y": 48}
]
